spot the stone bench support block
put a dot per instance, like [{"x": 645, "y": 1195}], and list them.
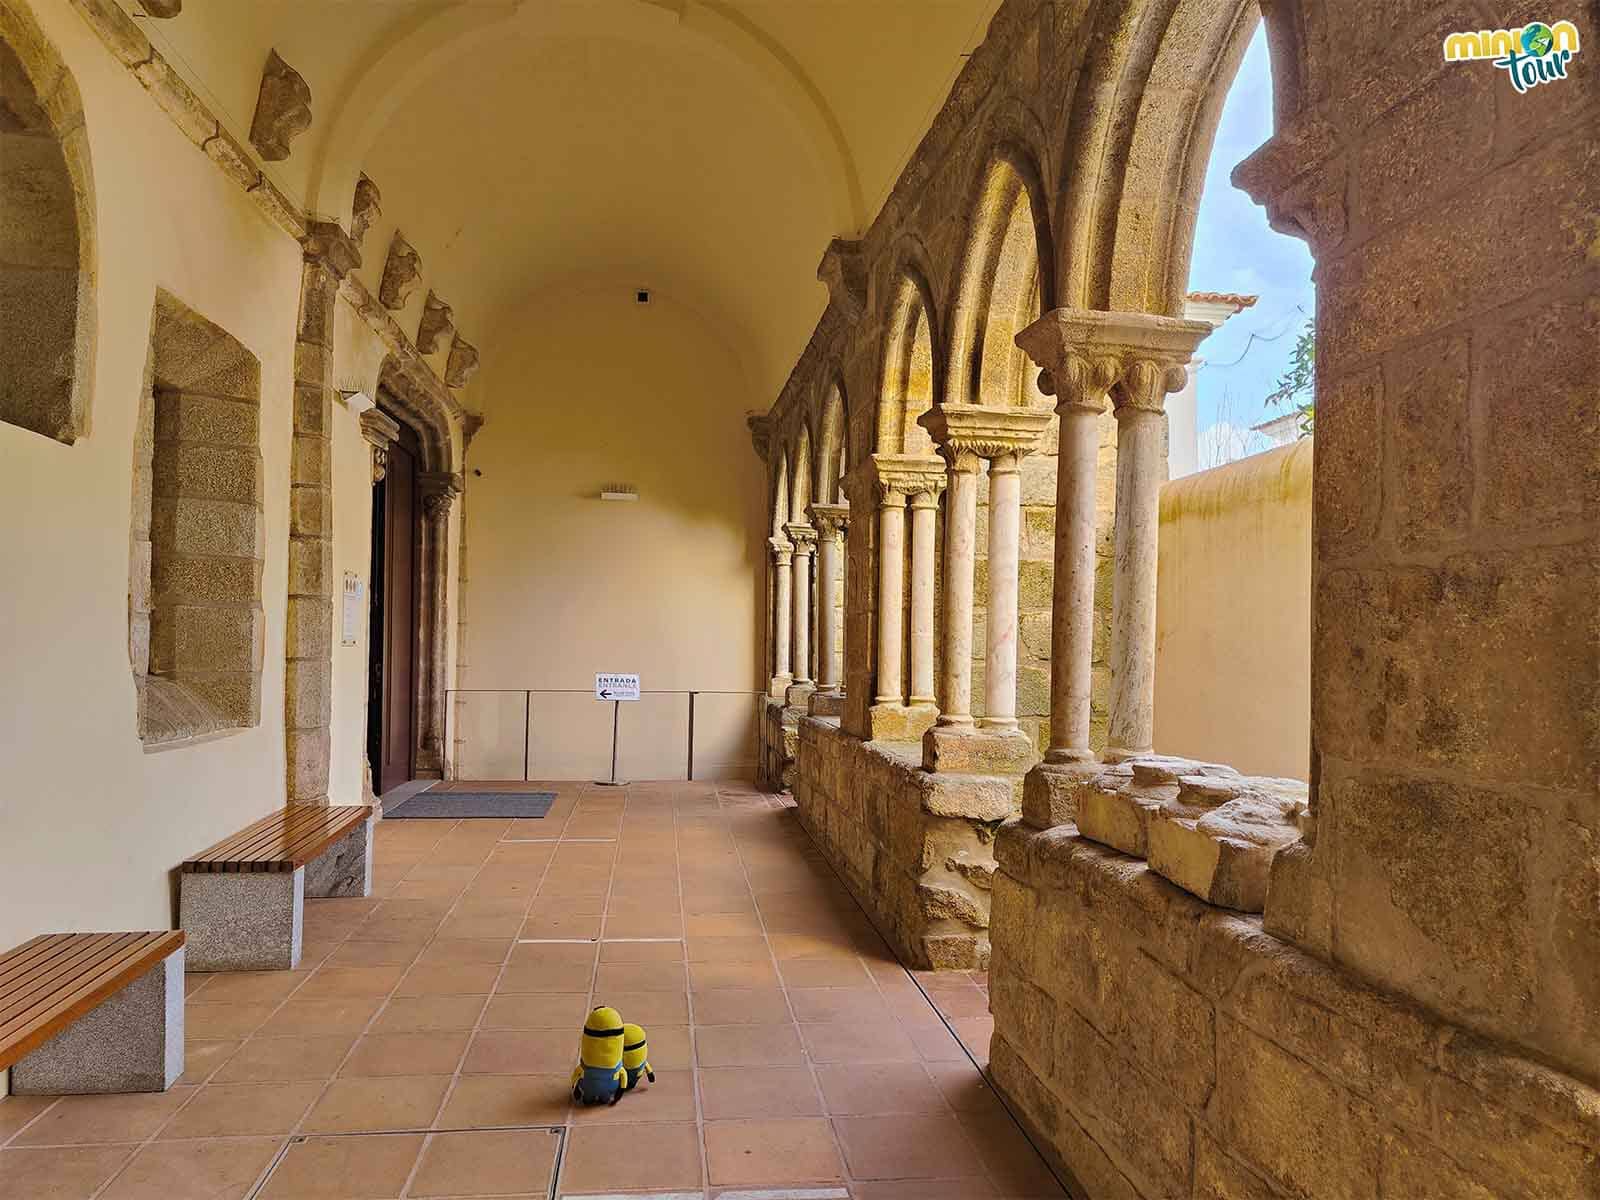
[
  {"x": 345, "y": 868},
  {"x": 131, "y": 1042},
  {"x": 249, "y": 921}
]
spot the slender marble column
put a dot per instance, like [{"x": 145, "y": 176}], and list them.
[
  {"x": 805, "y": 540},
  {"x": 960, "y": 555},
  {"x": 891, "y": 594},
  {"x": 1141, "y": 470},
  {"x": 830, "y": 521},
  {"x": 1081, "y": 390},
  {"x": 924, "y": 515},
  {"x": 1000, "y": 648},
  {"x": 783, "y": 576}
]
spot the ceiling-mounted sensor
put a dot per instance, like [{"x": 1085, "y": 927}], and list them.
[{"x": 642, "y": 296}]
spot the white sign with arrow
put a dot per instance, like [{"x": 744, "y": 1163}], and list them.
[{"x": 616, "y": 687}]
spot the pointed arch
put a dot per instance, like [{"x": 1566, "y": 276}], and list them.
[
  {"x": 912, "y": 368},
  {"x": 800, "y": 479},
  {"x": 832, "y": 424},
  {"x": 780, "y": 492}
]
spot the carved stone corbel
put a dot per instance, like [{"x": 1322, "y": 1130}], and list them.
[
  {"x": 462, "y": 364},
  {"x": 401, "y": 273},
  {"x": 845, "y": 273},
  {"x": 365, "y": 209},
  {"x": 438, "y": 326},
  {"x": 381, "y": 431},
  {"x": 283, "y": 109},
  {"x": 760, "y": 426},
  {"x": 161, "y": 9}
]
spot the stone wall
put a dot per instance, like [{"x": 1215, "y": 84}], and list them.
[
  {"x": 779, "y": 740},
  {"x": 916, "y": 847},
  {"x": 1164, "y": 1048}
]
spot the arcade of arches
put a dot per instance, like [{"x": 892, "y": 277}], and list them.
[{"x": 276, "y": 539}]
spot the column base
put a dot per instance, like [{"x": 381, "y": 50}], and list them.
[
  {"x": 778, "y": 685},
  {"x": 1116, "y": 754},
  {"x": 901, "y": 722},
  {"x": 826, "y": 703},
  {"x": 796, "y": 694},
  {"x": 1051, "y": 791},
  {"x": 971, "y": 751}
]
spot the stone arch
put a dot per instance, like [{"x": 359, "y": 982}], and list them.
[
  {"x": 912, "y": 367},
  {"x": 1004, "y": 282},
  {"x": 47, "y": 237},
  {"x": 831, "y": 437},
  {"x": 196, "y": 537},
  {"x": 780, "y": 492},
  {"x": 800, "y": 479}
]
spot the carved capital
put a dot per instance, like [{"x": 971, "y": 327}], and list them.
[
  {"x": 462, "y": 364},
  {"x": 781, "y": 549},
  {"x": 1087, "y": 355},
  {"x": 365, "y": 208},
  {"x": 379, "y": 428},
  {"x": 984, "y": 431},
  {"x": 402, "y": 271},
  {"x": 438, "y": 326},
  {"x": 439, "y": 490},
  {"x": 283, "y": 109},
  {"x": 907, "y": 475},
  {"x": 326, "y": 243},
  {"x": 760, "y": 427},
  {"x": 830, "y": 520},
  {"x": 843, "y": 270},
  {"x": 803, "y": 537}
]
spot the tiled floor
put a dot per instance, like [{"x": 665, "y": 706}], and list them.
[{"x": 423, "y": 1047}]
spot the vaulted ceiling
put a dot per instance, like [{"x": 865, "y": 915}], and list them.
[{"x": 705, "y": 148}]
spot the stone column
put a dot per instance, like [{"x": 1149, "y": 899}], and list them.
[
  {"x": 966, "y": 433},
  {"x": 329, "y": 255},
  {"x": 804, "y": 539},
  {"x": 891, "y": 592},
  {"x": 782, "y": 578},
  {"x": 1084, "y": 355},
  {"x": 924, "y": 517},
  {"x": 439, "y": 491},
  {"x": 830, "y": 522}
]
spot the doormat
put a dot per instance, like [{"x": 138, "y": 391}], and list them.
[{"x": 455, "y": 806}]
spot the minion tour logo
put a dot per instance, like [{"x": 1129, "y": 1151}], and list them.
[{"x": 1537, "y": 53}]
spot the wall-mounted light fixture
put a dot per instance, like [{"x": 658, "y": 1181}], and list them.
[{"x": 619, "y": 491}]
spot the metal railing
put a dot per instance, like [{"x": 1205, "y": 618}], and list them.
[{"x": 561, "y": 733}]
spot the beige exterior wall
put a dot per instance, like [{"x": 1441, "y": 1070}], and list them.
[
  {"x": 1233, "y": 615},
  {"x": 91, "y": 824},
  {"x": 589, "y": 388},
  {"x": 352, "y": 551}
]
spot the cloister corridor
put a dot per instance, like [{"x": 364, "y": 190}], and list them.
[{"x": 793, "y": 1054}]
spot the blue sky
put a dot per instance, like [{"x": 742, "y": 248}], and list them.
[{"x": 1235, "y": 251}]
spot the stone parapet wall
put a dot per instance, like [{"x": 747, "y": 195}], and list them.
[
  {"x": 779, "y": 738},
  {"x": 916, "y": 847},
  {"x": 1162, "y": 1048}
]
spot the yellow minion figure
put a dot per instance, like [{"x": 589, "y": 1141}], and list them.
[
  {"x": 599, "y": 1077},
  {"x": 635, "y": 1056}
]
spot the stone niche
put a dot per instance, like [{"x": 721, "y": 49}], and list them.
[
  {"x": 195, "y": 626},
  {"x": 916, "y": 847}
]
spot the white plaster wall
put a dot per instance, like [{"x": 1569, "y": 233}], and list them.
[
  {"x": 352, "y": 551},
  {"x": 1233, "y": 614},
  {"x": 91, "y": 826},
  {"x": 582, "y": 388}
]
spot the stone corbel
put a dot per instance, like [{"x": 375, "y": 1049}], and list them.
[
  {"x": 437, "y": 328},
  {"x": 161, "y": 9},
  {"x": 402, "y": 271},
  {"x": 984, "y": 431},
  {"x": 283, "y": 109},
  {"x": 760, "y": 426},
  {"x": 381, "y": 431},
  {"x": 1300, "y": 175},
  {"x": 462, "y": 364},
  {"x": 845, "y": 273},
  {"x": 365, "y": 208}
]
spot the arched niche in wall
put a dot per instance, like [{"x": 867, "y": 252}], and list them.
[
  {"x": 195, "y": 628},
  {"x": 47, "y": 266}
]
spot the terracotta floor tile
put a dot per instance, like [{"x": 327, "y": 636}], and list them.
[
  {"x": 649, "y": 1008},
  {"x": 537, "y": 1010},
  {"x": 732, "y": 1093},
  {"x": 362, "y": 953},
  {"x": 318, "y": 1018},
  {"x": 372, "y": 1104},
  {"x": 971, "y": 1188},
  {"x": 638, "y": 952},
  {"x": 444, "y": 952},
  {"x": 487, "y": 1163},
  {"x": 432, "y": 1052},
  {"x": 747, "y": 1045},
  {"x": 838, "y": 1004},
  {"x": 823, "y": 972},
  {"x": 721, "y": 924},
  {"x": 410, "y": 1014},
  {"x": 797, "y": 1150},
  {"x": 502, "y": 925},
  {"x": 572, "y": 960},
  {"x": 483, "y": 1101},
  {"x": 801, "y": 945},
  {"x": 243, "y": 1110},
  {"x": 71, "y": 1173},
  {"x": 329, "y": 982},
  {"x": 707, "y": 976},
  {"x": 79, "y": 1120},
  {"x": 218, "y": 1022},
  {"x": 370, "y": 1167},
  {"x": 200, "y": 1062},
  {"x": 411, "y": 930},
  {"x": 640, "y": 977},
  {"x": 660, "y": 1158},
  {"x": 264, "y": 1059},
  {"x": 934, "y": 1042},
  {"x": 522, "y": 1052},
  {"x": 851, "y": 1089},
  {"x": 250, "y": 987},
  {"x": 224, "y": 1170},
  {"x": 906, "y": 1147},
  {"x": 740, "y": 1006},
  {"x": 956, "y": 1003},
  {"x": 1013, "y": 1164},
  {"x": 560, "y": 923},
  {"x": 858, "y": 1042},
  {"x": 963, "y": 1088},
  {"x": 669, "y": 1047},
  {"x": 472, "y": 979},
  {"x": 669, "y": 1098},
  {"x": 644, "y": 926}
]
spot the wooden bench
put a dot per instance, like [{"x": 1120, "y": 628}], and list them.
[
  {"x": 242, "y": 901},
  {"x": 93, "y": 1012}
]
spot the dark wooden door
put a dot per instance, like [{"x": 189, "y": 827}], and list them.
[{"x": 392, "y": 702}]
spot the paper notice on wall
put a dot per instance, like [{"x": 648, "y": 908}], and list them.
[{"x": 354, "y": 592}]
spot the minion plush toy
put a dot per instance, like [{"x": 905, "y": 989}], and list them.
[
  {"x": 635, "y": 1056},
  {"x": 599, "y": 1077}
]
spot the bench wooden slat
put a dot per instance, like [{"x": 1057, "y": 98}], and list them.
[
  {"x": 283, "y": 841},
  {"x": 52, "y": 980}
]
